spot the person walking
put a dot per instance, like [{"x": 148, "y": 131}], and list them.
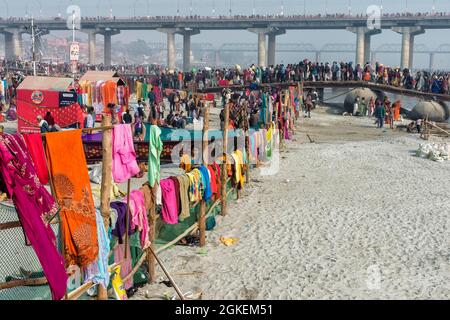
[
  {"x": 363, "y": 108},
  {"x": 380, "y": 113},
  {"x": 371, "y": 106},
  {"x": 419, "y": 125},
  {"x": 356, "y": 106}
]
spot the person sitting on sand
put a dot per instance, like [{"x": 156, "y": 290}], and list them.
[{"x": 43, "y": 125}]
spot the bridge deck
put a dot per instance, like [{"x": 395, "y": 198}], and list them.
[{"x": 345, "y": 84}]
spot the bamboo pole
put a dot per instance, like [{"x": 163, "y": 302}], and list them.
[
  {"x": 105, "y": 192},
  {"x": 79, "y": 291},
  {"x": 205, "y": 140},
  {"x": 151, "y": 265},
  {"x": 127, "y": 218},
  {"x": 247, "y": 144},
  {"x": 23, "y": 282},
  {"x": 175, "y": 286},
  {"x": 439, "y": 128},
  {"x": 223, "y": 172}
]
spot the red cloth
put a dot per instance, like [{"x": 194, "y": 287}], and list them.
[
  {"x": 213, "y": 180},
  {"x": 218, "y": 180},
  {"x": 36, "y": 150}
]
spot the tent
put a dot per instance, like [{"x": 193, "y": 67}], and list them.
[
  {"x": 91, "y": 93},
  {"x": 38, "y": 95}
]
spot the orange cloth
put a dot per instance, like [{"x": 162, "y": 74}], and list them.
[
  {"x": 109, "y": 93},
  {"x": 73, "y": 194},
  {"x": 397, "y": 109}
]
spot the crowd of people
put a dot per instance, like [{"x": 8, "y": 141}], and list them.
[
  {"x": 421, "y": 80},
  {"x": 185, "y": 108},
  {"x": 254, "y": 16}
]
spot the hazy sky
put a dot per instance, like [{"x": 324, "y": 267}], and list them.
[{"x": 432, "y": 38}]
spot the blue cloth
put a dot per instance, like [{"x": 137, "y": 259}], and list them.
[
  {"x": 207, "y": 194},
  {"x": 98, "y": 270}
]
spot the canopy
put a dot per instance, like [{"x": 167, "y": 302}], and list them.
[
  {"x": 94, "y": 76},
  {"x": 45, "y": 83}
]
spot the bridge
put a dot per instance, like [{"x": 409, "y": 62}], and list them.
[
  {"x": 266, "y": 28},
  {"x": 343, "y": 84},
  {"x": 338, "y": 48}
]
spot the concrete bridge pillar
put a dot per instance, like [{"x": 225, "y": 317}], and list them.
[
  {"x": 271, "y": 51},
  {"x": 363, "y": 35},
  {"x": 171, "y": 54},
  {"x": 408, "y": 34},
  {"x": 318, "y": 56},
  {"x": 367, "y": 49},
  {"x": 261, "y": 45},
  {"x": 107, "y": 34},
  {"x": 13, "y": 43},
  {"x": 187, "y": 47},
  {"x": 217, "y": 58},
  {"x": 9, "y": 49},
  {"x": 92, "y": 48},
  {"x": 432, "y": 57}
]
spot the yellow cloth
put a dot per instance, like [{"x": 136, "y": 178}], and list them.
[
  {"x": 239, "y": 164},
  {"x": 185, "y": 163},
  {"x": 138, "y": 90},
  {"x": 228, "y": 241},
  {"x": 184, "y": 197}
]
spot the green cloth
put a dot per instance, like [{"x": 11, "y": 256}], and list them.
[
  {"x": 144, "y": 91},
  {"x": 155, "y": 148}
]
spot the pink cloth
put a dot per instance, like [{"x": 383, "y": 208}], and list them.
[
  {"x": 124, "y": 157},
  {"x": 126, "y": 266},
  {"x": 169, "y": 201},
  {"x": 33, "y": 204},
  {"x": 139, "y": 216}
]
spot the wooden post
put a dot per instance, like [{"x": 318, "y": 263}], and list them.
[
  {"x": 202, "y": 217},
  {"x": 127, "y": 219},
  {"x": 105, "y": 193},
  {"x": 151, "y": 235},
  {"x": 247, "y": 143},
  {"x": 223, "y": 172}
]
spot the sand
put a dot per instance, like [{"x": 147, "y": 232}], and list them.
[{"x": 352, "y": 216}]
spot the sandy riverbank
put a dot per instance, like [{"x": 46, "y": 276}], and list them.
[{"x": 352, "y": 216}]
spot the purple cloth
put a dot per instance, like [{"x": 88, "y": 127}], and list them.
[
  {"x": 33, "y": 204},
  {"x": 121, "y": 224},
  {"x": 92, "y": 137}
]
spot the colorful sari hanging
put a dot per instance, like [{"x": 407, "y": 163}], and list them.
[{"x": 68, "y": 171}]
